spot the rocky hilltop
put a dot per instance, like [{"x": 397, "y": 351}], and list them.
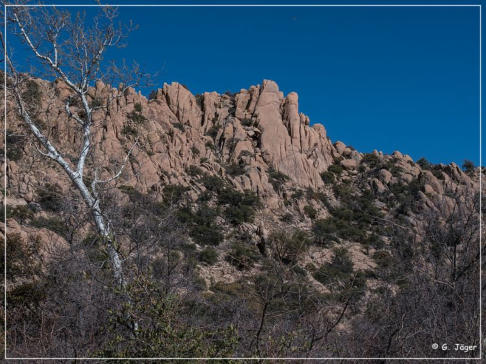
[{"x": 247, "y": 180}]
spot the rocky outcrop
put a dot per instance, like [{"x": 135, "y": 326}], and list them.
[{"x": 258, "y": 129}]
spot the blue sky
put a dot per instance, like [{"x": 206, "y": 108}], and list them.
[{"x": 401, "y": 78}]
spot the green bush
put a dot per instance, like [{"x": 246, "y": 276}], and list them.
[
  {"x": 383, "y": 258},
  {"x": 136, "y": 117},
  {"x": 277, "y": 179},
  {"x": 328, "y": 177},
  {"x": 15, "y": 146},
  {"x": 287, "y": 218},
  {"x": 337, "y": 271},
  {"x": 247, "y": 122},
  {"x": 19, "y": 213},
  {"x": 96, "y": 103},
  {"x": 165, "y": 330},
  {"x": 194, "y": 171},
  {"x": 240, "y": 206},
  {"x": 335, "y": 169},
  {"x": 208, "y": 255},
  {"x": 131, "y": 192},
  {"x": 235, "y": 169},
  {"x": 137, "y": 107},
  {"x": 310, "y": 212},
  {"x": 210, "y": 145},
  {"x": 286, "y": 247},
  {"x": 179, "y": 126},
  {"x": 174, "y": 193},
  {"x": 242, "y": 256},
  {"x": 31, "y": 96},
  {"x": 297, "y": 195},
  {"x": 202, "y": 224},
  {"x": 129, "y": 130},
  {"x": 372, "y": 160},
  {"x": 212, "y": 183},
  {"x": 213, "y": 131},
  {"x": 54, "y": 224},
  {"x": 50, "y": 197},
  {"x": 468, "y": 166},
  {"x": 195, "y": 151},
  {"x": 424, "y": 163}
]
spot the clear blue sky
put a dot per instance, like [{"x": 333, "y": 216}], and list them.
[{"x": 378, "y": 78}]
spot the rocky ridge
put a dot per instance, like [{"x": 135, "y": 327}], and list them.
[{"x": 255, "y": 140}]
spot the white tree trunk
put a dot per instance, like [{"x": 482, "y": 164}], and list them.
[{"x": 103, "y": 229}]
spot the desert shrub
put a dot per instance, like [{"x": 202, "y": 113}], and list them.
[
  {"x": 132, "y": 193},
  {"x": 468, "y": 166},
  {"x": 137, "y": 107},
  {"x": 208, "y": 255},
  {"x": 195, "y": 151},
  {"x": 235, "y": 169},
  {"x": 50, "y": 197},
  {"x": 239, "y": 214},
  {"x": 234, "y": 197},
  {"x": 202, "y": 225},
  {"x": 174, "y": 193},
  {"x": 328, "y": 177},
  {"x": 297, "y": 195},
  {"x": 205, "y": 196},
  {"x": 242, "y": 256},
  {"x": 203, "y": 160},
  {"x": 136, "y": 117},
  {"x": 194, "y": 171},
  {"x": 353, "y": 288},
  {"x": 297, "y": 269},
  {"x": 335, "y": 169},
  {"x": 54, "y": 224},
  {"x": 407, "y": 195},
  {"x": 287, "y": 218},
  {"x": 129, "y": 130},
  {"x": 240, "y": 205},
  {"x": 334, "y": 273},
  {"x": 437, "y": 172},
  {"x": 212, "y": 183},
  {"x": 164, "y": 330},
  {"x": 15, "y": 146},
  {"x": 375, "y": 241},
  {"x": 277, "y": 178},
  {"x": 20, "y": 213},
  {"x": 247, "y": 122},
  {"x": 179, "y": 126},
  {"x": 372, "y": 160},
  {"x": 310, "y": 212},
  {"x": 424, "y": 163},
  {"x": 213, "y": 131},
  {"x": 31, "y": 292},
  {"x": 286, "y": 247},
  {"x": 383, "y": 258},
  {"x": 343, "y": 192},
  {"x": 96, "y": 103},
  {"x": 23, "y": 259},
  {"x": 32, "y": 95},
  {"x": 210, "y": 145},
  {"x": 324, "y": 230}
]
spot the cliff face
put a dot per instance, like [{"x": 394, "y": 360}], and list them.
[
  {"x": 255, "y": 140},
  {"x": 257, "y": 129}
]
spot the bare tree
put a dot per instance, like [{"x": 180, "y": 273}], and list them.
[{"x": 71, "y": 49}]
